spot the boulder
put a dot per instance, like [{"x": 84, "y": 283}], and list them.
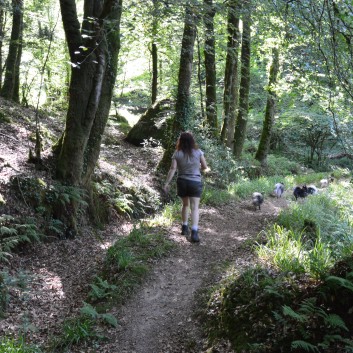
[{"x": 152, "y": 125}]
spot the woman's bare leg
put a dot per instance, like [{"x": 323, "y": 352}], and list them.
[
  {"x": 194, "y": 205},
  {"x": 185, "y": 210}
]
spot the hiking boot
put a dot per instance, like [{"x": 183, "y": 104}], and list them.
[
  {"x": 194, "y": 236},
  {"x": 184, "y": 229}
]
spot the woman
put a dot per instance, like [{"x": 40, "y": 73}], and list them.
[{"x": 189, "y": 160}]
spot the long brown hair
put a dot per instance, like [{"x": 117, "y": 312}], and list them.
[{"x": 186, "y": 143}]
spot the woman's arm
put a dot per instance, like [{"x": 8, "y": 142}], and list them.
[
  {"x": 203, "y": 163},
  {"x": 170, "y": 175}
]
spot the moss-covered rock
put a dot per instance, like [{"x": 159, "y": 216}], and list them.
[{"x": 152, "y": 125}]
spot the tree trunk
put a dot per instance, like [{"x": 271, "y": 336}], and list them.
[
  {"x": 154, "y": 53},
  {"x": 182, "y": 106},
  {"x": 10, "y": 88},
  {"x": 2, "y": 27},
  {"x": 264, "y": 145},
  {"x": 92, "y": 78},
  {"x": 242, "y": 117},
  {"x": 231, "y": 75},
  {"x": 154, "y": 73},
  {"x": 210, "y": 67}
]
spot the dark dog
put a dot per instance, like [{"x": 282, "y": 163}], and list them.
[{"x": 300, "y": 191}]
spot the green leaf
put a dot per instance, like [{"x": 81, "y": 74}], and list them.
[{"x": 110, "y": 319}]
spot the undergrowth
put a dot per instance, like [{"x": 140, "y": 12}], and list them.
[{"x": 298, "y": 298}]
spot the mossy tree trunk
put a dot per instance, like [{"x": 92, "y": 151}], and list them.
[
  {"x": 264, "y": 145},
  {"x": 93, "y": 75},
  {"x": 10, "y": 88},
  {"x": 210, "y": 67},
  {"x": 231, "y": 77},
  {"x": 242, "y": 116},
  {"x": 182, "y": 106}
]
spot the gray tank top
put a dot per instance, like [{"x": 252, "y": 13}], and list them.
[{"x": 189, "y": 167}]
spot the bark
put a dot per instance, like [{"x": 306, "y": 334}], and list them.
[
  {"x": 182, "y": 106},
  {"x": 264, "y": 145},
  {"x": 2, "y": 27},
  {"x": 92, "y": 78},
  {"x": 210, "y": 67},
  {"x": 154, "y": 53},
  {"x": 10, "y": 88},
  {"x": 242, "y": 116},
  {"x": 230, "y": 95},
  {"x": 154, "y": 73}
]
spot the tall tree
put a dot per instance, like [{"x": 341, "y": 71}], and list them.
[
  {"x": 231, "y": 76},
  {"x": 183, "y": 105},
  {"x": 154, "y": 52},
  {"x": 264, "y": 145},
  {"x": 242, "y": 116},
  {"x": 2, "y": 33},
  {"x": 210, "y": 66},
  {"x": 10, "y": 88},
  {"x": 93, "y": 52}
]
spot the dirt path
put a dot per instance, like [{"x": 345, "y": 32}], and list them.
[{"x": 160, "y": 318}]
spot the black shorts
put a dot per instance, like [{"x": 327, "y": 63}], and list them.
[{"x": 189, "y": 188}]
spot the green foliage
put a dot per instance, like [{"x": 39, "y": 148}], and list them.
[
  {"x": 212, "y": 196},
  {"x": 101, "y": 289},
  {"x": 15, "y": 232},
  {"x": 242, "y": 309},
  {"x": 8, "y": 284},
  {"x": 219, "y": 158},
  {"x": 55, "y": 202},
  {"x": 131, "y": 201},
  {"x": 13, "y": 345},
  {"x": 128, "y": 260},
  {"x": 4, "y": 118},
  {"x": 89, "y": 311},
  {"x": 245, "y": 187},
  {"x": 74, "y": 331}
]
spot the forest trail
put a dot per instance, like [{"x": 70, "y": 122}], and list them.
[
  {"x": 55, "y": 276},
  {"x": 160, "y": 317}
]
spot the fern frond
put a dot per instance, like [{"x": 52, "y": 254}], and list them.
[
  {"x": 288, "y": 311},
  {"x": 305, "y": 346},
  {"x": 341, "y": 282},
  {"x": 89, "y": 311},
  {"x": 7, "y": 231},
  {"x": 110, "y": 319},
  {"x": 334, "y": 321}
]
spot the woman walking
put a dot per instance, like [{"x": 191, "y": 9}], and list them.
[{"x": 189, "y": 160}]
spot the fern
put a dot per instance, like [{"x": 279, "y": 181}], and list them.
[
  {"x": 110, "y": 319},
  {"x": 288, "y": 311},
  {"x": 89, "y": 311},
  {"x": 305, "y": 346},
  {"x": 13, "y": 232},
  {"x": 101, "y": 289},
  {"x": 341, "y": 282},
  {"x": 335, "y": 321}
]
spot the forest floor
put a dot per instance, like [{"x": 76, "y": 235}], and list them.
[{"x": 161, "y": 316}]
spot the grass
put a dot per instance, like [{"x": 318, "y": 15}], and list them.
[
  {"x": 12, "y": 345},
  {"x": 129, "y": 259},
  {"x": 289, "y": 300}
]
